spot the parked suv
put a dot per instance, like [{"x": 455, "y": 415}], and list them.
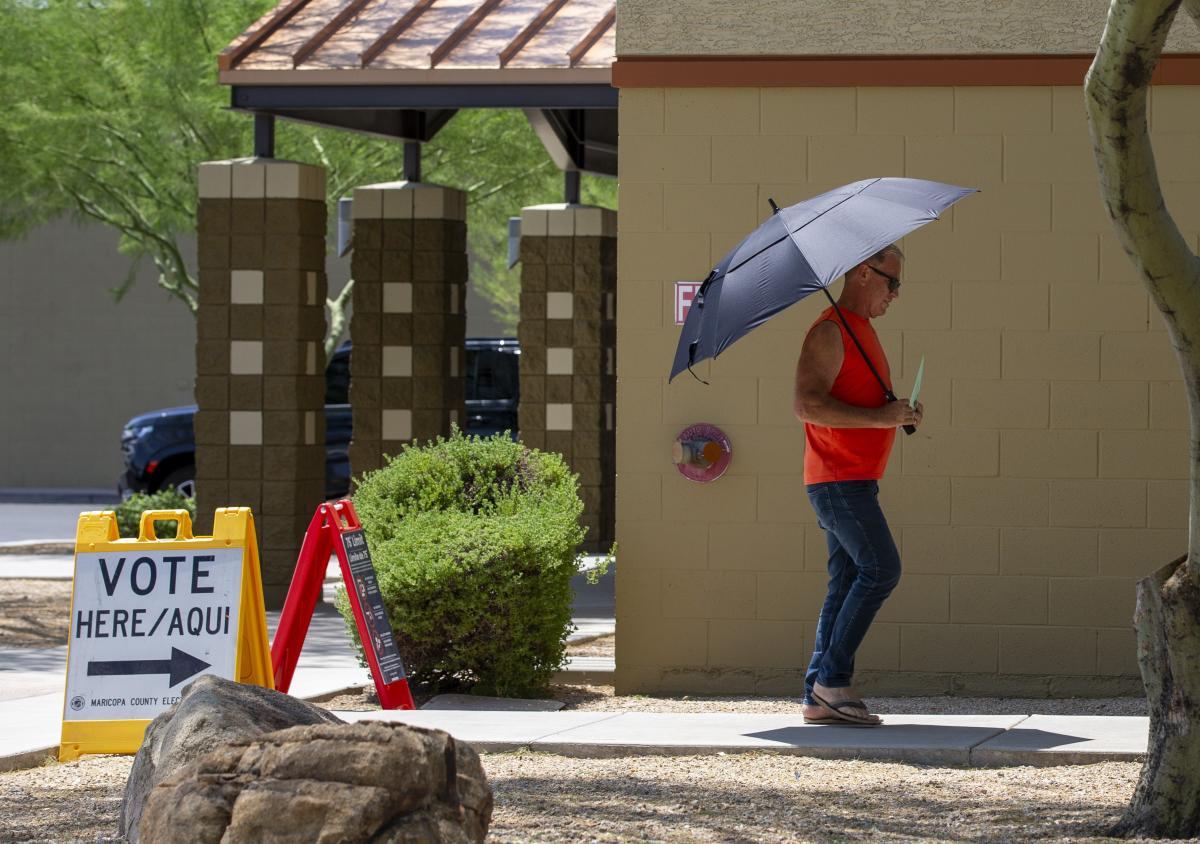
[{"x": 160, "y": 450}]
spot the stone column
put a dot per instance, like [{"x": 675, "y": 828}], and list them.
[
  {"x": 409, "y": 324},
  {"x": 260, "y": 363},
  {"x": 568, "y": 339}
]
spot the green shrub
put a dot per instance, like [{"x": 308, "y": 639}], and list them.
[
  {"x": 129, "y": 512},
  {"x": 474, "y": 540}
]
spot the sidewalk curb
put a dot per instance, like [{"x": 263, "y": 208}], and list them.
[
  {"x": 27, "y": 759},
  {"x": 917, "y": 756},
  {"x": 912, "y": 755},
  {"x": 57, "y": 547}
]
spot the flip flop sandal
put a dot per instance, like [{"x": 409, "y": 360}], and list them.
[
  {"x": 846, "y": 718},
  {"x": 833, "y": 719}
]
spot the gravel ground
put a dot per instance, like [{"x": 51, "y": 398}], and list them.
[
  {"x": 34, "y": 613},
  {"x": 737, "y": 798},
  {"x": 76, "y": 801}
]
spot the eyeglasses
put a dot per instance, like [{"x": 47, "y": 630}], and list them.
[{"x": 893, "y": 282}]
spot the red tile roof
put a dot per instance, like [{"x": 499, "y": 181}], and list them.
[{"x": 426, "y": 42}]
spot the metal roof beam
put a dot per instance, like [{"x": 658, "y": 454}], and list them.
[
  {"x": 307, "y": 97},
  {"x": 533, "y": 28},
  {"x": 234, "y": 53},
  {"x": 393, "y": 124},
  {"x": 462, "y": 31},
  {"x": 394, "y": 31},
  {"x": 339, "y": 20},
  {"x": 588, "y": 41},
  {"x": 578, "y": 139}
]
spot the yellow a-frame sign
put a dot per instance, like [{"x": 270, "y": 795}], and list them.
[{"x": 149, "y": 614}]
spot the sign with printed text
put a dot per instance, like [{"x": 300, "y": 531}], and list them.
[
  {"x": 370, "y": 600},
  {"x": 685, "y": 292},
  {"x": 336, "y": 530},
  {"x": 149, "y": 615},
  {"x": 146, "y": 621}
]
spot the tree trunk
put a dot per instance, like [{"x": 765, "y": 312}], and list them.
[
  {"x": 1166, "y": 803},
  {"x": 1167, "y": 800}
]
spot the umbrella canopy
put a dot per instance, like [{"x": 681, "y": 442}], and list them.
[{"x": 800, "y": 250}]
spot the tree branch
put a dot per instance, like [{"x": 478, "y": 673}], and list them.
[
  {"x": 337, "y": 319},
  {"x": 1116, "y": 92}
]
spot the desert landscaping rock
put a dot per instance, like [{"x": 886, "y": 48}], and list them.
[
  {"x": 382, "y": 783},
  {"x": 212, "y": 711}
]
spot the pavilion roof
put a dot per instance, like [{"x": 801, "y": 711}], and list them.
[{"x": 425, "y": 42}]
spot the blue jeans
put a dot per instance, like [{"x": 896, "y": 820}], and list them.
[{"x": 864, "y": 568}]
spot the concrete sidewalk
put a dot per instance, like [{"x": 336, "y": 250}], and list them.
[
  {"x": 983, "y": 740},
  {"x": 31, "y": 727}
]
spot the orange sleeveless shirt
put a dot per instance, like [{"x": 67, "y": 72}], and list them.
[{"x": 851, "y": 454}]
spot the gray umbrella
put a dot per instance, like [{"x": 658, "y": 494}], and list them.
[{"x": 800, "y": 250}]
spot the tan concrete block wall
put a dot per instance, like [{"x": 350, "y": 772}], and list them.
[
  {"x": 1051, "y": 470},
  {"x": 260, "y": 390},
  {"x": 568, "y": 364},
  {"x": 409, "y": 318}
]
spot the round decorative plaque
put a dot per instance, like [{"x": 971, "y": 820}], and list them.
[{"x": 701, "y": 452}]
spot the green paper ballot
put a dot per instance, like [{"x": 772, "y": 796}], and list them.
[{"x": 916, "y": 390}]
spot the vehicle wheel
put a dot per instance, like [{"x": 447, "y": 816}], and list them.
[{"x": 183, "y": 479}]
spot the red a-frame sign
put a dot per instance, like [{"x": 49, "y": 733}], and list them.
[{"x": 335, "y": 528}]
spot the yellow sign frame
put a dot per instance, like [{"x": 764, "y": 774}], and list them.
[{"x": 233, "y": 527}]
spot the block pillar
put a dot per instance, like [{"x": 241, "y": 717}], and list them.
[
  {"x": 409, "y": 324},
  {"x": 568, "y": 339},
  {"x": 260, "y": 361}
]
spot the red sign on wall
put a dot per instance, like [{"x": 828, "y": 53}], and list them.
[{"x": 685, "y": 291}]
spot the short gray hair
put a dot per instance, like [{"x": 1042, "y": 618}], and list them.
[
  {"x": 878, "y": 258},
  {"x": 890, "y": 249}
]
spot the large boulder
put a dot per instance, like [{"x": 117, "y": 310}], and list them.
[
  {"x": 370, "y": 781},
  {"x": 211, "y": 711}
]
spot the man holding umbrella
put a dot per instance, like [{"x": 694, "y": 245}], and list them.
[
  {"x": 850, "y": 427},
  {"x": 843, "y": 386}
]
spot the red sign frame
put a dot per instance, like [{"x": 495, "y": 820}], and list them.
[{"x": 326, "y": 535}]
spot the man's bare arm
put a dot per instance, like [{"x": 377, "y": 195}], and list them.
[{"x": 818, "y": 367}]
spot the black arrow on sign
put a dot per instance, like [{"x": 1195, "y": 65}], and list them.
[{"x": 180, "y": 666}]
